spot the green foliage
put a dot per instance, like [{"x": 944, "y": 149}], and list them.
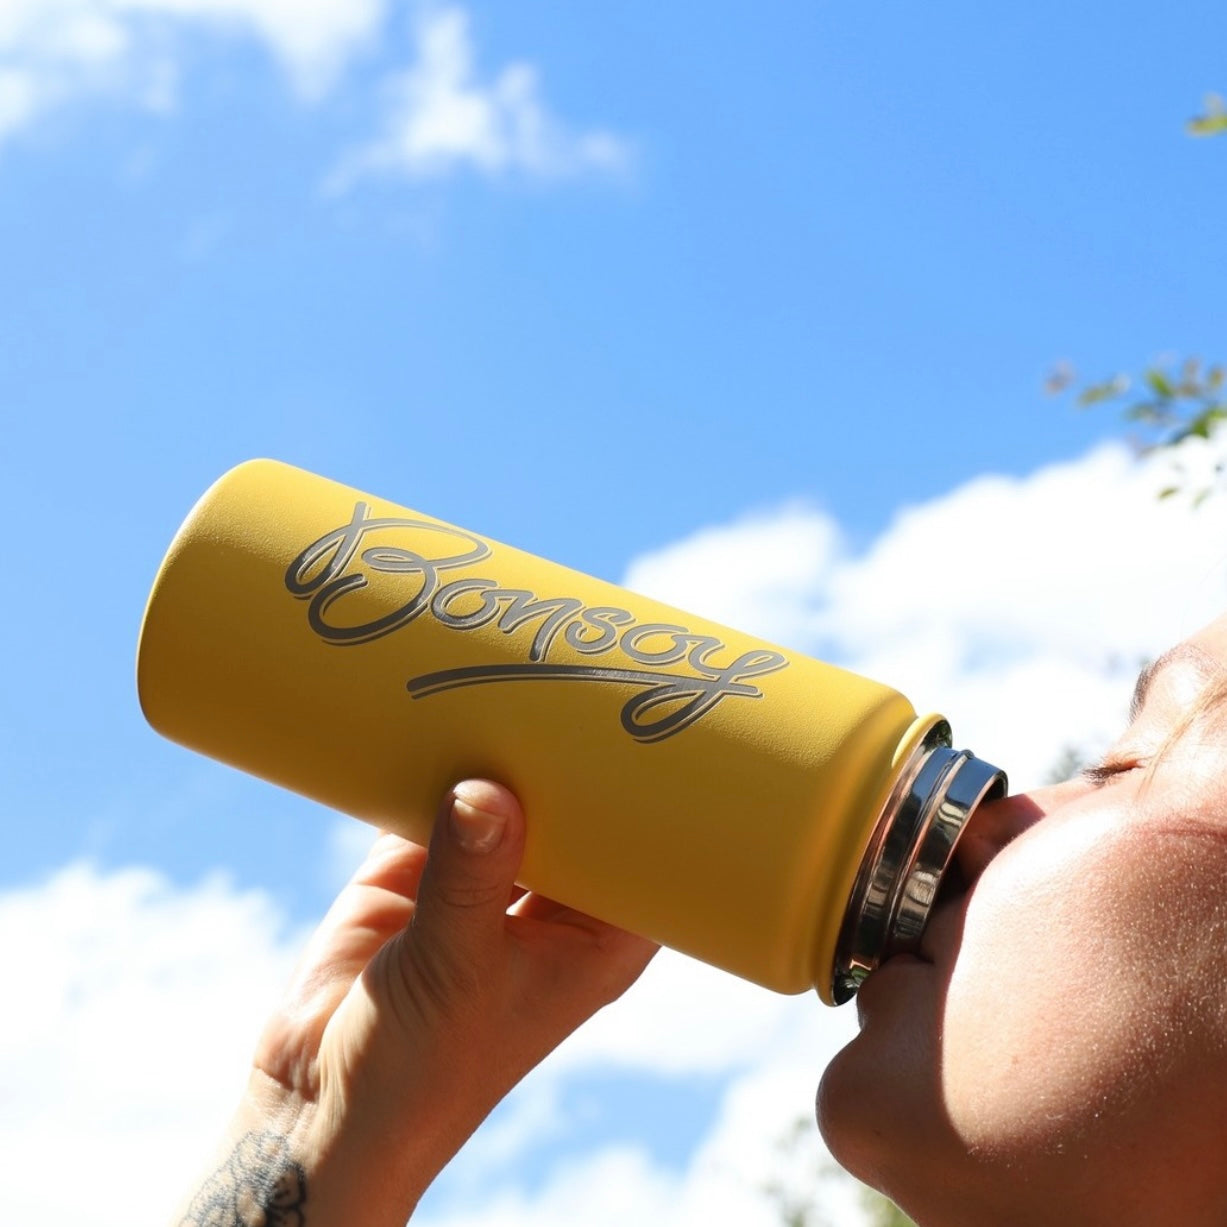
[
  {"x": 1170, "y": 406},
  {"x": 1213, "y": 122},
  {"x": 883, "y": 1213},
  {"x": 796, "y": 1185},
  {"x": 1166, "y": 405}
]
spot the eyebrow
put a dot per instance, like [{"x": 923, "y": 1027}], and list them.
[{"x": 1181, "y": 652}]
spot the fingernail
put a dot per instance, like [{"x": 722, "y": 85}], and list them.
[{"x": 476, "y": 829}]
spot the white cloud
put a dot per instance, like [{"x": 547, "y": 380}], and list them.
[
  {"x": 762, "y": 572},
  {"x": 686, "y": 1018},
  {"x": 56, "y": 51},
  {"x": 1020, "y": 607},
  {"x": 774, "y": 1049},
  {"x": 313, "y": 38},
  {"x": 131, "y": 1012},
  {"x": 19, "y": 100},
  {"x": 441, "y": 116}
]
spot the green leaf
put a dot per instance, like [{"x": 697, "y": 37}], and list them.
[
  {"x": 1207, "y": 125},
  {"x": 1106, "y": 389},
  {"x": 1169, "y": 492},
  {"x": 1203, "y": 425},
  {"x": 1147, "y": 411},
  {"x": 1159, "y": 383},
  {"x": 1213, "y": 122}
]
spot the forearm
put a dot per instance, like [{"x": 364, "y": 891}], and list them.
[{"x": 284, "y": 1163}]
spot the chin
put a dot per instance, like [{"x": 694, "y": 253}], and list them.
[
  {"x": 886, "y": 1135},
  {"x": 857, "y": 1112},
  {"x": 879, "y": 1104}
]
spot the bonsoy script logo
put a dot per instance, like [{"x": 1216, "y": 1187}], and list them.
[{"x": 624, "y": 650}]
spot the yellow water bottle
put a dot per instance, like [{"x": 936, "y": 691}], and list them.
[{"x": 776, "y": 816}]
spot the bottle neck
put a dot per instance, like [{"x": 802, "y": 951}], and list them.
[{"x": 908, "y": 854}]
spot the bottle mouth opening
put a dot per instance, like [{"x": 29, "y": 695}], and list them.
[{"x": 909, "y": 853}]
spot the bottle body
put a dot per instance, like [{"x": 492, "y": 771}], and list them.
[{"x": 680, "y": 779}]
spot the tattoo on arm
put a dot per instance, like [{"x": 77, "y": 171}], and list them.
[{"x": 259, "y": 1185}]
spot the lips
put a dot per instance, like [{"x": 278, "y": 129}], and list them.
[
  {"x": 890, "y": 987},
  {"x": 940, "y": 941}
]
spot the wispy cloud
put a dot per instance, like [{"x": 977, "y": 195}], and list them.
[
  {"x": 135, "y": 1006},
  {"x": 441, "y": 116},
  {"x": 438, "y": 115},
  {"x": 55, "y": 52}
]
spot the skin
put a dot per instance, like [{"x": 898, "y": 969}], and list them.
[
  {"x": 1058, "y": 1050},
  {"x": 432, "y": 986}
]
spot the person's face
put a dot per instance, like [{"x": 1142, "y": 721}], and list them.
[{"x": 1058, "y": 1052}]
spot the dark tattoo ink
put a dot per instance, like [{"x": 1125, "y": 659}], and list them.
[{"x": 259, "y": 1185}]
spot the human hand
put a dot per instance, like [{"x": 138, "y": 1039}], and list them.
[{"x": 431, "y": 987}]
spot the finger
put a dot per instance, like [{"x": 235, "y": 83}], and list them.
[
  {"x": 375, "y": 905},
  {"x": 577, "y": 955},
  {"x": 575, "y": 966},
  {"x": 392, "y": 864},
  {"x": 469, "y": 879}
]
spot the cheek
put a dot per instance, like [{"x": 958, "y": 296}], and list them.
[
  {"x": 1028, "y": 1042},
  {"x": 1080, "y": 1012},
  {"x": 1062, "y": 991}
]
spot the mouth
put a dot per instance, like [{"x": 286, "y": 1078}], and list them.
[
  {"x": 954, "y": 885},
  {"x": 889, "y": 982},
  {"x": 905, "y": 957},
  {"x": 943, "y": 935}
]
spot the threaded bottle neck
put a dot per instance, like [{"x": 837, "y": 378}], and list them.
[{"x": 908, "y": 854}]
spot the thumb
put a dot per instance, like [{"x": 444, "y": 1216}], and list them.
[{"x": 467, "y": 885}]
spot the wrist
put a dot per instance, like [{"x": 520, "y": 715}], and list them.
[
  {"x": 263, "y": 1168},
  {"x": 286, "y": 1161}
]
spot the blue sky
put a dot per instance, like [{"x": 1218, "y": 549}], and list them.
[{"x": 644, "y": 292}]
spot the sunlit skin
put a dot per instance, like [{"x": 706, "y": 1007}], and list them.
[
  {"x": 1058, "y": 1051},
  {"x": 431, "y": 987}
]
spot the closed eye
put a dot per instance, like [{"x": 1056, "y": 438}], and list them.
[{"x": 1101, "y": 773}]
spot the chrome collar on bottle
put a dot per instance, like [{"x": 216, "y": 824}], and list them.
[{"x": 908, "y": 854}]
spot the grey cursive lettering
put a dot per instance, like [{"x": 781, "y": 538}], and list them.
[{"x": 332, "y": 571}]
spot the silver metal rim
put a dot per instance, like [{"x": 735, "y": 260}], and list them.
[{"x": 908, "y": 854}]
